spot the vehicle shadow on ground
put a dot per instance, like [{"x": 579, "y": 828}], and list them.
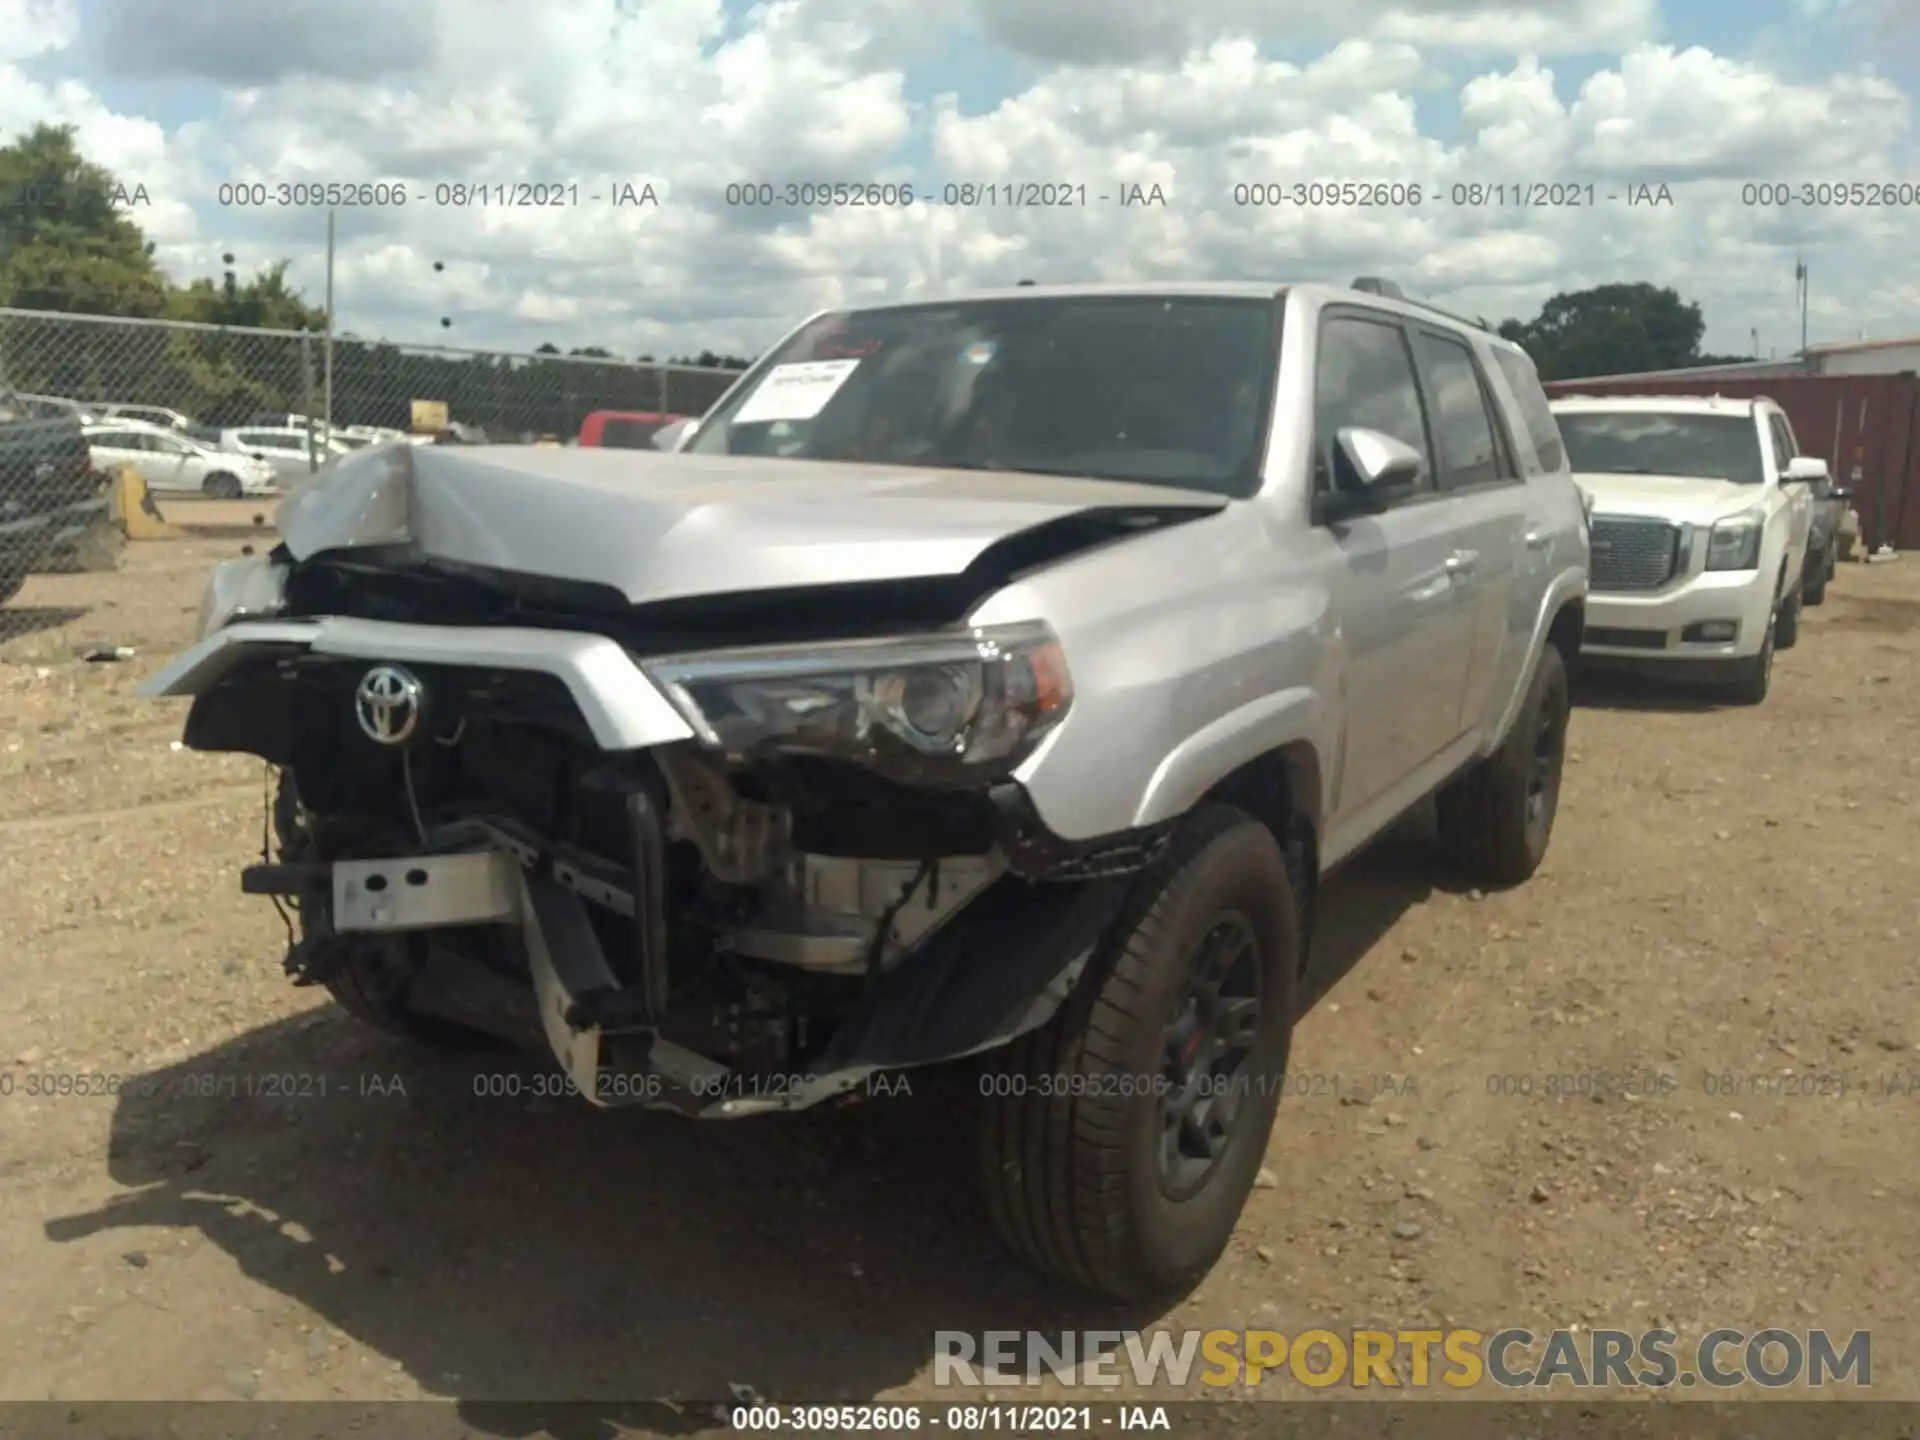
[
  {"x": 507, "y": 1250},
  {"x": 1367, "y": 896},
  {"x": 1624, "y": 690},
  {"x": 20, "y": 620}
]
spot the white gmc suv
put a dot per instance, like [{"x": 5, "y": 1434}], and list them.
[{"x": 1701, "y": 511}]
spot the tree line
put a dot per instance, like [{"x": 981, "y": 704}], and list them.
[{"x": 71, "y": 245}]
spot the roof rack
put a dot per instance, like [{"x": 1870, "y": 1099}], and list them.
[{"x": 1386, "y": 289}]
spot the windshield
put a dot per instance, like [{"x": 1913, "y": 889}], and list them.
[
  {"x": 1648, "y": 442},
  {"x": 1162, "y": 389}
]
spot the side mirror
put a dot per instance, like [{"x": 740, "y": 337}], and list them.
[
  {"x": 670, "y": 437},
  {"x": 1370, "y": 464},
  {"x": 1804, "y": 470}
]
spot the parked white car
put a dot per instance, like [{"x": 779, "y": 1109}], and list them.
[
  {"x": 152, "y": 414},
  {"x": 167, "y": 460},
  {"x": 289, "y": 451},
  {"x": 45, "y": 406},
  {"x": 358, "y": 437},
  {"x": 1701, "y": 512}
]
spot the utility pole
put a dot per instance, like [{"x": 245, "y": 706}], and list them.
[{"x": 1800, "y": 280}]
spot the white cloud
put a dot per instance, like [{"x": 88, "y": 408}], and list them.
[
  {"x": 1708, "y": 117},
  {"x": 36, "y": 27},
  {"x": 1193, "y": 98},
  {"x": 1079, "y": 31}
]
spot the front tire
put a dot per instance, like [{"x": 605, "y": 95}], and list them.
[
  {"x": 1756, "y": 677},
  {"x": 369, "y": 978},
  {"x": 1787, "y": 627},
  {"x": 1120, "y": 1141},
  {"x": 1495, "y": 820},
  {"x": 222, "y": 486}
]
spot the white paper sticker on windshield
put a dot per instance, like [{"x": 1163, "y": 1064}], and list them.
[{"x": 795, "y": 392}]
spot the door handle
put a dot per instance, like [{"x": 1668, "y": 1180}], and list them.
[
  {"x": 1539, "y": 539},
  {"x": 1461, "y": 562}
]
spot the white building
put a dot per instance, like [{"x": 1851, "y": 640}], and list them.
[
  {"x": 1867, "y": 357},
  {"x": 1848, "y": 357}
]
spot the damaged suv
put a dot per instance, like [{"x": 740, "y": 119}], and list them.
[{"x": 990, "y": 678}]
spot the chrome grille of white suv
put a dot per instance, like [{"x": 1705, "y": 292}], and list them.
[{"x": 1633, "y": 554}]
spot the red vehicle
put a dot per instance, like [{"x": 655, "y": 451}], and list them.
[{"x": 624, "y": 429}]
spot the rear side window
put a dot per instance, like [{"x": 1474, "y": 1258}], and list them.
[
  {"x": 1463, "y": 426},
  {"x": 1542, "y": 430}
]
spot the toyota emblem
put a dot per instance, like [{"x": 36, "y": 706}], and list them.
[{"x": 388, "y": 703}]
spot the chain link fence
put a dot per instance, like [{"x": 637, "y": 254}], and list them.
[
  {"x": 221, "y": 376},
  {"x": 223, "y": 389}
]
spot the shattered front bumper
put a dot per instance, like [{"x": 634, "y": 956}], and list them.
[
  {"x": 998, "y": 969},
  {"x": 1001, "y": 969}
]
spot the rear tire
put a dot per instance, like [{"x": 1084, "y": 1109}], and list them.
[
  {"x": 1120, "y": 1141},
  {"x": 1496, "y": 820},
  {"x": 222, "y": 486},
  {"x": 1819, "y": 571}
]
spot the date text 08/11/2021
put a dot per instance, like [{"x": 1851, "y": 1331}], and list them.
[
  {"x": 460, "y": 195},
  {"x": 40, "y": 1084},
  {"x": 988, "y": 1419}
]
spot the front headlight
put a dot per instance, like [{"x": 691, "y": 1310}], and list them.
[
  {"x": 1734, "y": 543},
  {"x": 937, "y": 711}
]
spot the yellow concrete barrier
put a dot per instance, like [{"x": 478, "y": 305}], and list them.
[{"x": 131, "y": 505}]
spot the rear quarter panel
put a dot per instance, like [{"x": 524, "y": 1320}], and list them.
[{"x": 1553, "y": 575}]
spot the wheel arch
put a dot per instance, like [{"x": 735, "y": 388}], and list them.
[
  {"x": 1562, "y": 624},
  {"x": 1567, "y": 630},
  {"x": 1283, "y": 789}
]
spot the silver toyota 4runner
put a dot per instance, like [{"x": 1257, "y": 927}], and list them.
[{"x": 991, "y": 678}]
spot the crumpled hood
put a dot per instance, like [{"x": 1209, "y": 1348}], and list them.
[
  {"x": 1679, "y": 498},
  {"x": 656, "y": 526}
]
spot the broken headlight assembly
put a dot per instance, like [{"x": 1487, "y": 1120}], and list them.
[
  {"x": 936, "y": 711},
  {"x": 247, "y": 587}
]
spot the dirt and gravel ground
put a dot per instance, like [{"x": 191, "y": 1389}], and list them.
[{"x": 1731, "y": 901}]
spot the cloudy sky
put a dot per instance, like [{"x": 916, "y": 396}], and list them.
[{"x": 1709, "y": 97}]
